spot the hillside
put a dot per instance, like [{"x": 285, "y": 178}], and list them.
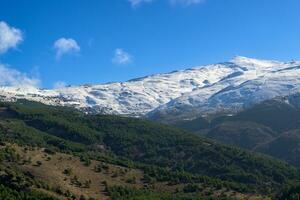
[
  {"x": 241, "y": 133},
  {"x": 154, "y": 155},
  {"x": 271, "y": 127},
  {"x": 285, "y": 147}
]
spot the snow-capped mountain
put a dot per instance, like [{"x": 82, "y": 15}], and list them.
[
  {"x": 227, "y": 86},
  {"x": 254, "y": 81}
]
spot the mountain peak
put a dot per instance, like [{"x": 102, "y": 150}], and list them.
[
  {"x": 212, "y": 88},
  {"x": 241, "y": 60}
]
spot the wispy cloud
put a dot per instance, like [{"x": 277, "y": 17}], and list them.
[
  {"x": 121, "y": 57},
  {"x": 186, "y": 2},
  {"x": 10, "y": 37},
  {"x": 13, "y": 77},
  {"x": 135, "y": 3},
  {"x": 59, "y": 85},
  {"x": 66, "y": 46}
]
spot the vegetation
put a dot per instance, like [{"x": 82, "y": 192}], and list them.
[
  {"x": 125, "y": 193},
  {"x": 15, "y": 184},
  {"x": 271, "y": 127},
  {"x": 183, "y": 162},
  {"x": 289, "y": 192},
  {"x": 10, "y": 194}
]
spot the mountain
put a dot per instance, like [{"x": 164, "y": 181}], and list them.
[
  {"x": 285, "y": 147},
  {"x": 134, "y": 97},
  {"x": 271, "y": 127},
  {"x": 254, "y": 82},
  {"x": 225, "y": 87},
  {"x": 241, "y": 133},
  {"x": 47, "y": 150}
]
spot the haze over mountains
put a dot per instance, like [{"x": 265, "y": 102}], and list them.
[{"x": 224, "y": 87}]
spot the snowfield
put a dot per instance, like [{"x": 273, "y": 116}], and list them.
[{"x": 228, "y": 86}]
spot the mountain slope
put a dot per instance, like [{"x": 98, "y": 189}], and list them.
[
  {"x": 167, "y": 156},
  {"x": 257, "y": 82},
  {"x": 285, "y": 147},
  {"x": 241, "y": 133},
  {"x": 204, "y": 90},
  {"x": 271, "y": 127},
  {"x": 134, "y": 97}
]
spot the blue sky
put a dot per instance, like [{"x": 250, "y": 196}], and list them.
[{"x": 97, "y": 41}]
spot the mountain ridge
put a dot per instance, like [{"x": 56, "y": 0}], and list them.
[{"x": 221, "y": 87}]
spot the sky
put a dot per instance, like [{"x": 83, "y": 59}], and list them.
[{"x": 53, "y": 43}]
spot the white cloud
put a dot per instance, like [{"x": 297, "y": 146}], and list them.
[
  {"x": 121, "y": 57},
  {"x": 13, "y": 77},
  {"x": 59, "y": 85},
  {"x": 186, "y": 2},
  {"x": 65, "y": 46},
  {"x": 10, "y": 37},
  {"x": 135, "y": 3}
]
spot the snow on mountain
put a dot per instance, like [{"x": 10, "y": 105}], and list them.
[
  {"x": 206, "y": 89},
  {"x": 258, "y": 81},
  {"x": 134, "y": 97}
]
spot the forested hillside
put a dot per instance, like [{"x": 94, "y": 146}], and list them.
[
  {"x": 98, "y": 156},
  {"x": 272, "y": 127}
]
